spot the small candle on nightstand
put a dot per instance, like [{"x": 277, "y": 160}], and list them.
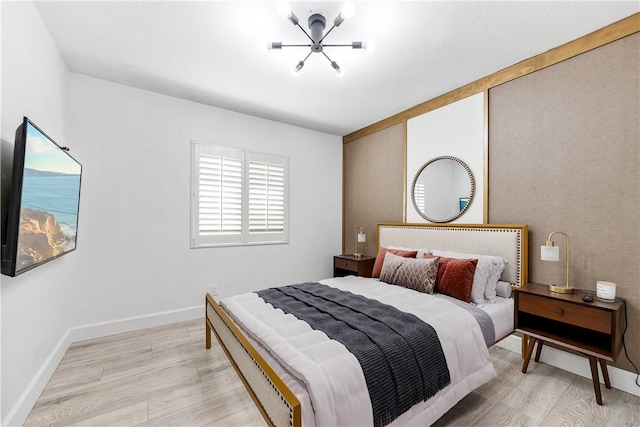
[{"x": 606, "y": 291}]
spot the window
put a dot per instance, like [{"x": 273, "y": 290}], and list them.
[
  {"x": 418, "y": 194},
  {"x": 238, "y": 197}
]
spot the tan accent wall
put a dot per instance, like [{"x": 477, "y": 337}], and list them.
[
  {"x": 565, "y": 156},
  {"x": 373, "y": 185},
  {"x": 610, "y": 33}
]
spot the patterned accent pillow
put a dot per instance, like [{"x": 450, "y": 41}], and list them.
[
  {"x": 377, "y": 266},
  {"x": 390, "y": 265},
  {"x": 417, "y": 274}
]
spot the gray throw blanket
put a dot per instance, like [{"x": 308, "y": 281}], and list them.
[
  {"x": 481, "y": 316},
  {"x": 400, "y": 355}
]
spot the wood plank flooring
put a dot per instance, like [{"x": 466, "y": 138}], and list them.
[{"x": 165, "y": 377}]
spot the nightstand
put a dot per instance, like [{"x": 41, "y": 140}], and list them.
[
  {"x": 345, "y": 265},
  {"x": 593, "y": 329}
]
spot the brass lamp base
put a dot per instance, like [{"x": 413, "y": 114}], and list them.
[
  {"x": 357, "y": 255},
  {"x": 561, "y": 289}
]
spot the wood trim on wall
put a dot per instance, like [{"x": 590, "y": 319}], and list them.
[
  {"x": 344, "y": 211},
  {"x": 601, "y": 37},
  {"x": 485, "y": 150},
  {"x": 404, "y": 173}
]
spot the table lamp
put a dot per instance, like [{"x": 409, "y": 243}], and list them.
[
  {"x": 550, "y": 252},
  {"x": 360, "y": 238}
]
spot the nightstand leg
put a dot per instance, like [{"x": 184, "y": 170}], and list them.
[
  {"x": 596, "y": 378},
  {"x": 525, "y": 342},
  {"x": 539, "y": 350},
  {"x": 527, "y": 356},
  {"x": 605, "y": 373}
]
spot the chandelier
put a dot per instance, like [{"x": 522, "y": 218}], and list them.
[{"x": 317, "y": 24}]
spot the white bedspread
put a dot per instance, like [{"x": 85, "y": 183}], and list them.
[{"x": 328, "y": 379}]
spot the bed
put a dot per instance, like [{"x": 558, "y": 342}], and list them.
[{"x": 297, "y": 375}]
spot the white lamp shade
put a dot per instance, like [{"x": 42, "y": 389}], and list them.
[
  {"x": 549, "y": 253},
  {"x": 362, "y": 237}
]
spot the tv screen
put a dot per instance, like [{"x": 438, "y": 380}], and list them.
[{"x": 44, "y": 199}]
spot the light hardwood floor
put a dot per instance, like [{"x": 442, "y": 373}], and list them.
[{"x": 165, "y": 377}]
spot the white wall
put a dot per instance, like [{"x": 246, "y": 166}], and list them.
[
  {"x": 133, "y": 257},
  {"x": 457, "y": 130},
  {"x": 133, "y": 233},
  {"x": 34, "y": 305}
]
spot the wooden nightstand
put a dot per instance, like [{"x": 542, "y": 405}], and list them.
[
  {"x": 593, "y": 329},
  {"x": 345, "y": 265}
]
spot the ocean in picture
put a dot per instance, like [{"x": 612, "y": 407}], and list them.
[
  {"x": 56, "y": 194},
  {"x": 49, "y": 201}
]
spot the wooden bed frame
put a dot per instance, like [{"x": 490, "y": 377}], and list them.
[{"x": 277, "y": 403}]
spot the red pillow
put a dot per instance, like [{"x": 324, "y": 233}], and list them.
[
  {"x": 377, "y": 267},
  {"x": 455, "y": 277}
]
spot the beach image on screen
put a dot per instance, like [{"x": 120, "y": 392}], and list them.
[{"x": 49, "y": 204}]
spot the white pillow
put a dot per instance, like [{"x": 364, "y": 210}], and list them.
[
  {"x": 487, "y": 273},
  {"x": 503, "y": 289},
  {"x": 419, "y": 255},
  {"x": 498, "y": 267}
]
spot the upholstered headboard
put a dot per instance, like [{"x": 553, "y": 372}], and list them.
[{"x": 506, "y": 240}]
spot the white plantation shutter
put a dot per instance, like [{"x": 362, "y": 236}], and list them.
[
  {"x": 266, "y": 180},
  {"x": 237, "y": 197},
  {"x": 220, "y": 203}
]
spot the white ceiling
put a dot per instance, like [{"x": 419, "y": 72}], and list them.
[{"x": 213, "y": 52}]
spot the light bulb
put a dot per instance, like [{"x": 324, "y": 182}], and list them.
[
  {"x": 369, "y": 45},
  {"x": 298, "y": 67},
  {"x": 348, "y": 10},
  {"x": 283, "y": 9}
]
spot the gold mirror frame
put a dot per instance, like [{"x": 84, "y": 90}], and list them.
[{"x": 471, "y": 195}]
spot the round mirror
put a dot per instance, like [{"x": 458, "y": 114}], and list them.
[{"x": 443, "y": 189}]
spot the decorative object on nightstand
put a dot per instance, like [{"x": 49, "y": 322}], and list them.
[
  {"x": 550, "y": 252},
  {"x": 606, "y": 291},
  {"x": 345, "y": 265},
  {"x": 593, "y": 329},
  {"x": 360, "y": 238}
]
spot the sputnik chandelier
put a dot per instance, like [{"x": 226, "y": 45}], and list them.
[{"x": 317, "y": 24}]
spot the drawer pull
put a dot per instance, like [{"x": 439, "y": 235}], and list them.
[{"x": 559, "y": 311}]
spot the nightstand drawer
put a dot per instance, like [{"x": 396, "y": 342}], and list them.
[
  {"x": 575, "y": 314},
  {"x": 349, "y": 265},
  {"x": 346, "y": 264}
]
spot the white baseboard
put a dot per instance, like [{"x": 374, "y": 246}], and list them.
[
  {"x": 103, "y": 329},
  {"x": 579, "y": 365},
  {"x": 20, "y": 411}
]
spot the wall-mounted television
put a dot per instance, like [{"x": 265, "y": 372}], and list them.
[{"x": 43, "y": 203}]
